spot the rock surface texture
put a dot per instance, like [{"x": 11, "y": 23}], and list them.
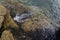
[
  {"x": 23, "y": 22},
  {"x": 7, "y": 35},
  {"x": 5, "y": 22}
]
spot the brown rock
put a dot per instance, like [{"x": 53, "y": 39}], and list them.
[
  {"x": 2, "y": 10},
  {"x": 38, "y": 21},
  {"x": 8, "y": 21},
  {"x": 1, "y": 20},
  {"x": 6, "y": 18},
  {"x": 16, "y": 6},
  {"x": 7, "y": 35}
]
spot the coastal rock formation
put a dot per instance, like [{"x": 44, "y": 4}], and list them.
[{"x": 23, "y": 22}]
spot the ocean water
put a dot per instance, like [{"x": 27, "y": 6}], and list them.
[{"x": 51, "y": 8}]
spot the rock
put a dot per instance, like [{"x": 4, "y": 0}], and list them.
[
  {"x": 15, "y": 6},
  {"x": 9, "y": 22},
  {"x": 6, "y": 22},
  {"x": 2, "y": 10},
  {"x": 37, "y": 20},
  {"x": 1, "y": 20},
  {"x": 2, "y": 13},
  {"x": 7, "y": 35},
  {"x": 5, "y": 17},
  {"x": 36, "y": 27}
]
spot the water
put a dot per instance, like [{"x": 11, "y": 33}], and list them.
[
  {"x": 51, "y": 10},
  {"x": 39, "y": 3},
  {"x": 51, "y": 7},
  {"x": 56, "y": 10}
]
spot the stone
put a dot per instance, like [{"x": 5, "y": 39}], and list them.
[
  {"x": 7, "y": 35},
  {"x": 1, "y": 20},
  {"x": 9, "y": 22},
  {"x": 2, "y": 10}
]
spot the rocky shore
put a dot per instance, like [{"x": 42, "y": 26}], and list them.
[{"x": 22, "y": 22}]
